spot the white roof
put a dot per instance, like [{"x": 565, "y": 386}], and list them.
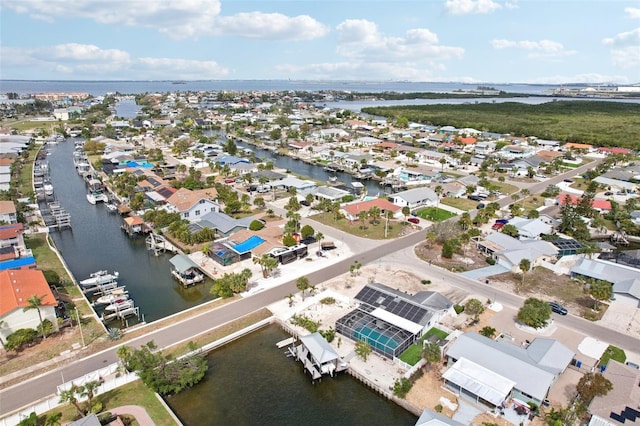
[
  {"x": 396, "y": 320},
  {"x": 479, "y": 380},
  {"x": 319, "y": 348}
]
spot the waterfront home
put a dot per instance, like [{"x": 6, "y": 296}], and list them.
[
  {"x": 621, "y": 405},
  {"x": 332, "y": 134},
  {"x": 185, "y": 270},
  {"x": 414, "y": 198},
  {"x": 329, "y": 193},
  {"x": 223, "y": 224},
  {"x": 516, "y": 151},
  {"x": 416, "y": 175},
  {"x": 293, "y": 182},
  {"x": 8, "y": 212},
  {"x": 5, "y": 173},
  {"x": 351, "y": 211},
  {"x": 508, "y": 251},
  {"x": 192, "y": 205},
  {"x": 16, "y": 287},
  {"x": 229, "y": 160},
  {"x": 134, "y": 225},
  {"x": 431, "y": 418},
  {"x": 491, "y": 372},
  {"x": 390, "y": 320}
]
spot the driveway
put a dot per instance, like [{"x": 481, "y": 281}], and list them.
[{"x": 620, "y": 316}]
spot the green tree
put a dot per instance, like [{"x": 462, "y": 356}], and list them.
[
  {"x": 88, "y": 391},
  {"x": 363, "y": 350},
  {"x": 70, "y": 396},
  {"x": 474, "y": 307},
  {"x": 592, "y": 385},
  {"x": 431, "y": 352},
  {"x": 438, "y": 190},
  {"x": 307, "y": 231},
  {"x": 35, "y": 302},
  {"x": 406, "y": 211},
  {"x": 510, "y": 230},
  {"x": 525, "y": 266},
  {"x": 161, "y": 373},
  {"x": 600, "y": 290},
  {"x": 302, "y": 284},
  {"x": 534, "y": 313},
  {"x": 488, "y": 331}
]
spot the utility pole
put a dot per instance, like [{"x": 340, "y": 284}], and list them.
[{"x": 80, "y": 327}]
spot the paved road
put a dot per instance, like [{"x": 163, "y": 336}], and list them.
[{"x": 25, "y": 393}]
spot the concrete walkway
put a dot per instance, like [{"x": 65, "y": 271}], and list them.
[{"x": 141, "y": 415}]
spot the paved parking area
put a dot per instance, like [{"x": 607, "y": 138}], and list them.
[{"x": 621, "y": 316}]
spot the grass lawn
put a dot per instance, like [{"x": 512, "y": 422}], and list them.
[
  {"x": 505, "y": 188},
  {"x": 135, "y": 393},
  {"x": 371, "y": 231},
  {"x": 22, "y": 125},
  {"x": 613, "y": 352},
  {"x": 414, "y": 352},
  {"x": 459, "y": 203},
  {"x": 434, "y": 215},
  {"x": 531, "y": 202}
]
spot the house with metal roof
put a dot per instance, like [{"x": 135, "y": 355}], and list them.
[
  {"x": 414, "y": 198},
  {"x": 508, "y": 251},
  {"x": 431, "y": 418},
  {"x": 489, "y": 372},
  {"x": 390, "y": 320},
  {"x": 293, "y": 182},
  {"x": 530, "y": 228},
  {"x": 621, "y": 405},
  {"x": 224, "y": 224},
  {"x": 626, "y": 284},
  {"x": 318, "y": 356}
]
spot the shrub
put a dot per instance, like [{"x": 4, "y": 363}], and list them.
[
  {"x": 256, "y": 225},
  {"x": 289, "y": 241},
  {"x": 21, "y": 338},
  {"x": 438, "y": 408},
  {"x": 328, "y": 301},
  {"x": 458, "y": 308},
  {"x": 305, "y": 322},
  {"x": 307, "y": 231},
  {"x": 401, "y": 387},
  {"x": 425, "y": 282},
  {"x": 448, "y": 249},
  {"x": 490, "y": 260},
  {"x": 329, "y": 334},
  {"x": 47, "y": 325}
]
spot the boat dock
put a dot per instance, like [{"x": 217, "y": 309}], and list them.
[
  {"x": 159, "y": 244},
  {"x": 55, "y": 216}
]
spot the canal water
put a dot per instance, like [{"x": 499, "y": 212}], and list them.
[
  {"x": 96, "y": 242},
  {"x": 251, "y": 381},
  {"x": 312, "y": 171}
]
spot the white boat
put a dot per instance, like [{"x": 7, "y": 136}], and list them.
[
  {"x": 112, "y": 207},
  {"x": 48, "y": 189},
  {"x": 119, "y": 305},
  {"x": 96, "y": 197},
  {"x": 99, "y": 277},
  {"x": 114, "y": 296},
  {"x": 333, "y": 179}
]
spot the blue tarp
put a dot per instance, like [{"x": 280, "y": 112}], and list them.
[
  {"x": 248, "y": 244},
  {"x": 17, "y": 263}
]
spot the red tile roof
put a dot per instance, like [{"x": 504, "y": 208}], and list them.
[
  {"x": 10, "y": 231},
  {"x": 18, "y": 285},
  {"x": 573, "y": 199},
  {"x": 615, "y": 150},
  {"x": 381, "y": 203}
]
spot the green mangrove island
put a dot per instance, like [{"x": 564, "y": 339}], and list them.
[{"x": 601, "y": 123}]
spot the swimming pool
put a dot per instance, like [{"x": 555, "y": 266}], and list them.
[
  {"x": 248, "y": 244},
  {"x": 376, "y": 339},
  {"x": 143, "y": 164}
]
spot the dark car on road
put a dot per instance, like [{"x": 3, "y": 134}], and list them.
[
  {"x": 414, "y": 220},
  {"x": 305, "y": 203},
  {"x": 558, "y": 308}
]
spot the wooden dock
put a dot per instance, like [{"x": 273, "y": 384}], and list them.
[{"x": 159, "y": 244}]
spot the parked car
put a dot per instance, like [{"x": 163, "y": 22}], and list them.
[
  {"x": 608, "y": 194},
  {"x": 480, "y": 206},
  {"x": 568, "y": 180},
  {"x": 413, "y": 220},
  {"x": 475, "y": 197},
  {"x": 633, "y": 365},
  {"x": 305, "y": 203},
  {"x": 558, "y": 308},
  {"x": 230, "y": 180}
]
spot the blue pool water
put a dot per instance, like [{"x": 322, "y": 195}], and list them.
[
  {"x": 144, "y": 165},
  {"x": 376, "y": 339},
  {"x": 248, "y": 244}
]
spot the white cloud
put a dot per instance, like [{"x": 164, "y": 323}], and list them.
[
  {"x": 176, "y": 19},
  {"x": 537, "y": 49},
  {"x": 628, "y": 38},
  {"x": 511, "y": 4},
  {"x": 91, "y": 62},
  {"x": 632, "y": 12},
  {"x": 361, "y": 40},
  {"x": 626, "y": 57},
  {"x": 356, "y": 70},
  {"x": 466, "y": 7},
  {"x": 588, "y": 78},
  {"x": 272, "y": 26}
]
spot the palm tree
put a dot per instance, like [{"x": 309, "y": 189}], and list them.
[
  {"x": 319, "y": 236},
  {"x": 525, "y": 266},
  {"x": 438, "y": 190},
  {"x": 88, "y": 390},
  {"x": 35, "y": 302},
  {"x": 69, "y": 396},
  {"x": 302, "y": 284}
]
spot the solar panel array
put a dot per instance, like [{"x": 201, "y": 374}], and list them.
[
  {"x": 392, "y": 303},
  {"x": 567, "y": 244}
]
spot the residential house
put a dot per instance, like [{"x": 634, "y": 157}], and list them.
[
  {"x": 224, "y": 224},
  {"x": 431, "y": 418},
  {"x": 293, "y": 182},
  {"x": 318, "y": 356},
  {"x": 616, "y": 184},
  {"x": 626, "y": 284},
  {"x": 330, "y": 193},
  {"x": 351, "y": 211},
  {"x": 577, "y": 146},
  {"x": 621, "y": 405},
  {"x": 417, "y": 175},
  {"x": 530, "y": 228},
  {"x": 192, "y": 205},
  {"x": 453, "y": 189},
  {"x": 485, "y": 147},
  {"x": 16, "y": 287},
  {"x": 5, "y": 173},
  {"x": 8, "y": 212},
  {"x": 390, "y": 320},
  {"x": 414, "y": 198},
  {"x": 508, "y": 251},
  {"x": 490, "y": 372},
  {"x": 600, "y": 205}
]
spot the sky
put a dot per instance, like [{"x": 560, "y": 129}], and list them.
[{"x": 470, "y": 41}]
